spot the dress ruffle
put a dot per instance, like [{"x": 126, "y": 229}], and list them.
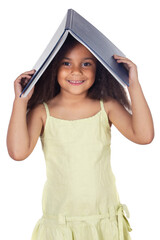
[{"x": 92, "y": 227}]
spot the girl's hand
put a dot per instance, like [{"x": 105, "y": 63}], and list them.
[
  {"x": 21, "y": 81},
  {"x": 130, "y": 66}
]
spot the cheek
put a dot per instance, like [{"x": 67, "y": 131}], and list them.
[
  {"x": 93, "y": 74},
  {"x": 61, "y": 74}
]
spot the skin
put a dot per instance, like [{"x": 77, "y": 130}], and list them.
[{"x": 78, "y": 64}]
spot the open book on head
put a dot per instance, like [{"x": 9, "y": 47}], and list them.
[{"x": 84, "y": 32}]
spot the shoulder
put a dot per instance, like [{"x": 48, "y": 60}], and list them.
[
  {"x": 38, "y": 112},
  {"x": 109, "y": 104},
  {"x": 112, "y": 106},
  {"x": 37, "y": 116}
]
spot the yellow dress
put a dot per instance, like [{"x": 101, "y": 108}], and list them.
[{"x": 80, "y": 200}]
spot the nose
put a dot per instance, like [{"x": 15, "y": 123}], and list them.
[{"x": 76, "y": 70}]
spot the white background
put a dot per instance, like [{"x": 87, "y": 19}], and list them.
[{"x": 26, "y": 29}]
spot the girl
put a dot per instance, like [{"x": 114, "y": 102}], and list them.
[{"x": 72, "y": 108}]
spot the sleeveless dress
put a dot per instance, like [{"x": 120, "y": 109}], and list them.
[{"x": 80, "y": 200}]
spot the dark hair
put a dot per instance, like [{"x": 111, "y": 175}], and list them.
[{"x": 104, "y": 85}]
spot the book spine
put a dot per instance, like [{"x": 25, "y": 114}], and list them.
[{"x": 69, "y": 19}]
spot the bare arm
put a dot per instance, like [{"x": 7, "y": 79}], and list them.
[
  {"x": 22, "y": 133},
  {"x": 137, "y": 127}
]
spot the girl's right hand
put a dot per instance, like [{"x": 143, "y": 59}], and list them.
[{"x": 20, "y": 81}]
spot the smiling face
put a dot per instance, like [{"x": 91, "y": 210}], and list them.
[{"x": 76, "y": 72}]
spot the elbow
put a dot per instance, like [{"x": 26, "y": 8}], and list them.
[
  {"x": 17, "y": 156},
  {"x": 18, "y": 153},
  {"x": 144, "y": 137},
  {"x": 147, "y": 139},
  {"x": 150, "y": 137}
]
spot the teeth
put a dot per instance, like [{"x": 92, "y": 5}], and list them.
[{"x": 75, "y": 81}]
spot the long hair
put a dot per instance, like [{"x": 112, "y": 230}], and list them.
[{"x": 103, "y": 87}]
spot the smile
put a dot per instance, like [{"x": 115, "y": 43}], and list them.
[{"x": 75, "y": 82}]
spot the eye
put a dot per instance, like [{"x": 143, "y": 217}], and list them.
[
  {"x": 66, "y": 63},
  {"x": 86, "y": 64}
]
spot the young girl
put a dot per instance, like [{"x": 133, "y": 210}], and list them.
[{"x": 72, "y": 108}]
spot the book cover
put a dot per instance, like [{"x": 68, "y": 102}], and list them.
[{"x": 95, "y": 41}]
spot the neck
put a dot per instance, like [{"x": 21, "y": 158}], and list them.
[{"x": 68, "y": 98}]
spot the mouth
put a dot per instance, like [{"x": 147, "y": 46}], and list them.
[{"x": 75, "y": 82}]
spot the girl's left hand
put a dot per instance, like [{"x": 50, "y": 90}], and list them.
[{"x": 130, "y": 66}]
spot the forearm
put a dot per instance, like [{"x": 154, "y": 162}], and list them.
[
  {"x": 142, "y": 122},
  {"x": 17, "y": 137}
]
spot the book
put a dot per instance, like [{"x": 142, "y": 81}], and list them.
[{"x": 88, "y": 35}]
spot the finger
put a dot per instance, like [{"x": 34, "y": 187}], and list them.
[
  {"x": 30, "y": 72},
  {"x": 27, "y": 73},
  {"x": 124, "y": 60},
  {"x": 24, "y": 76},
  {"x": 21, "y": 77},
  {"x": 126, "y": 65},
  {"x": 127, "y": 61},
  {"x": 119, "y": 57},
  {"x": 115, "y": 55},
  {"x": 24, "y": 81}
]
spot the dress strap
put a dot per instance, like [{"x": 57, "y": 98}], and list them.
[
  {"x": 104, "y": 112},
  {"x": 102, "y": 106},
  {"x": 47, "y": 110}
]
